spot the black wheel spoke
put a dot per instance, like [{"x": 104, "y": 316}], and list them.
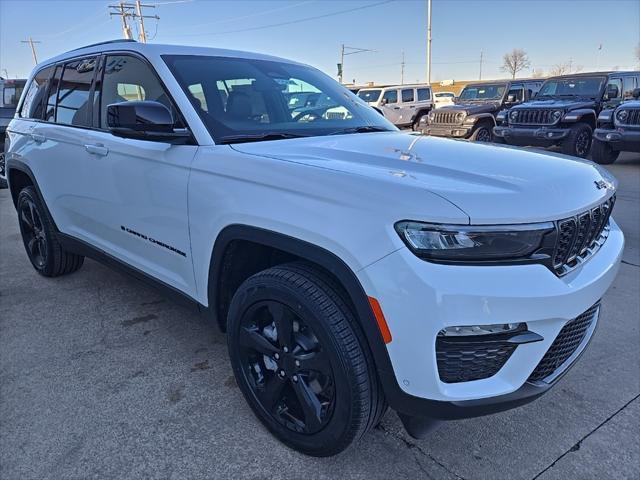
[
  {"x": 34, "y": 215},
  {"x": 252, "y": 339},
  {"x": 316, "y": 361},
  {"x": 311, "y": 406},
  {"x": 270, "y": 392},
  {"x": 26, "y": 220},
  {"x": 31, "y": 245},
  {"x": 283, "y": 322}
]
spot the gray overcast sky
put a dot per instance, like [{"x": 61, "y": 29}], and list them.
[{"x": 311, "y": 31}]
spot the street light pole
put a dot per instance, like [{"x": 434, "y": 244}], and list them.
[
  {"x": 344, "y": 51},
  {"x": 429, "y": 42}
]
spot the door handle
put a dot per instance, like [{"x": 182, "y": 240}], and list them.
[
  {"x": 396, "y": 108},
  {"x": 97, "y": 149},
  {"x": 36, "y": 137}
]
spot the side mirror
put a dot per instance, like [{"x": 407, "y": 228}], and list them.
[
  {"x": 384, "y": 101},
  {"x": 511, "y": 98},
  {"x": 635, "y": 93},
  {"x": 612, "y": 91},
  {"x": 144, "y": 120}
]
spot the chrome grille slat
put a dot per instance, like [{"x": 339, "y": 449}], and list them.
[
  {"x": 633, "y": 120},
  {"x": 445, "y": 118}
]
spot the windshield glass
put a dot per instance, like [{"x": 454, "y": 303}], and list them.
[
  {"x": 482, "y": 92},
  {"x": 572, "y": 87},
  {"x": 241, "y": 99},
  {"x": 369, "y": 95}
]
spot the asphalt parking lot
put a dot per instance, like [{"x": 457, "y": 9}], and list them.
[{"x": 100, "y": 377}]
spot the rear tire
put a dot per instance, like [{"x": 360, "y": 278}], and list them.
[
  {"x": 328, "y": 393},
  {"x": 578, "y": 142},
  {"x": 39, "y": 237},
  {"x": 602, "y": 153}
]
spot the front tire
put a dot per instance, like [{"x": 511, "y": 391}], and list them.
[
  {"x": 602, "y": 153},
  {"x": 482, "y": 133},
  {"x": 297, "y": 356},
  {"x": 38, "y": 235},
  {"x": 578, "y": 142}
]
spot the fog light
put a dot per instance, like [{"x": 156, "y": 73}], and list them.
[
  {"x": 473, "y": 330},
  {"x": 550, "y": 134}
]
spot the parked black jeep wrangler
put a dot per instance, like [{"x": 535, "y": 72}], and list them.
[
  {"x": 473, "y": 114},
  {"x": 564, "y": 111},
  {"x": 618, "y": 130}
]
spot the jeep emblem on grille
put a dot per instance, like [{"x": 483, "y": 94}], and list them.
[{"x": 600, "y": 184}]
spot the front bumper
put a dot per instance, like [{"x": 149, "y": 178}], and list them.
[
  {"x": 620, "y": 138},
  {"x": 419, "y": 298},
  {"x": 451, "y": 131},
  {"x": 544, "y": 136}
]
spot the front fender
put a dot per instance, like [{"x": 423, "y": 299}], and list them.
[
  {"x": 580, "y": 115},
  {"x": 473, "y": 119}
]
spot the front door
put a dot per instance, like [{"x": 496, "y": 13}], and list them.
[{"x": 135, "y": 191}]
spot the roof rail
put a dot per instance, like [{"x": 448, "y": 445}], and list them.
[{"x": 106, "y": 42}]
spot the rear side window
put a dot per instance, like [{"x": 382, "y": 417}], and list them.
[
  {"x": 424, "y": 94},
  {"x": 73, "y": 95},
  {"x": 407, "y": 95},
  {"x": 33, "y": 104},
  {"x": 628, "y": 84}
]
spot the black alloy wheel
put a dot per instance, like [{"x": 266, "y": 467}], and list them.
[
  {"x": 286, "y": 367},
  {"x": 33, "y": 234},
  {"x": 301, "y": 360},
  {"x": 45, "y": 252},
  {"x": 482, "y": 134},
  {"x": 583, "y": 142}
]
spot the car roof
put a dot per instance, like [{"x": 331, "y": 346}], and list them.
[
  {"x": 155, "y": 50},
  {"x": 596, "y": 74}
]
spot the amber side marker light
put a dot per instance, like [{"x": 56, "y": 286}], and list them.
[{"x": 382, "y": 323}]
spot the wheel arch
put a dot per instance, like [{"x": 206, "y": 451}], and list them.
[
  {"x": 19, "y": 175},
  {"x": 583, "y": 115},
  {"x": 268, "y": 248}
]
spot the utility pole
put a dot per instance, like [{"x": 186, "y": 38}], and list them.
[
  {"x": 570, "y": 64},
  {"x": 402, "y": 70},
  {"x": 344, "y": 51},
  {"x": 32, "y": 43},
  {"x": 133, "y": 11},
  {"x": 429, "y": 42},
  {"x": 480, "y": 65}
]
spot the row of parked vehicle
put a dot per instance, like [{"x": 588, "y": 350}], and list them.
[
  {"x": 10, "y": 91},
  {"x": 580, "y": 113}
]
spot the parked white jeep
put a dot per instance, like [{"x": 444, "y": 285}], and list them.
[
  {"x": 353, "y": 266},
  {"x": 402, "y": 105}
]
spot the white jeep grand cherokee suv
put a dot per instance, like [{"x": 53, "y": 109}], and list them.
[{"x": 352, "y": 266}]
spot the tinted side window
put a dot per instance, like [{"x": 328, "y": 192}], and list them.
[
  {"x": 127, "y": 78},
  {"x": 391, "y": 96},
  {"x": 73, "y": 95},
  {"x": 407, "y": 95},
  {"x": 33, "y": 104},
  {"x": 629, "y": 83},
  {"x": 424, "y": 94}
]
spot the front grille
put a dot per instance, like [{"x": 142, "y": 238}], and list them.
[
  {"x": 633, "y": 118},
  {"x": 463, "y": 361},
  {"x": 565, "y": 344},
  {"x": 580, "y": 236},
  {"x": 445, "y": 117},
  {"x": 532, "y": 116}
]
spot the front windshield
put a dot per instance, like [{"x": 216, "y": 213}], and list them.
[
  {"x": 369, "y": 95},
  {"x": 260, "y": 99},
  {"x": 482, "y": 93},
  {"x": 572, "y": 87}
]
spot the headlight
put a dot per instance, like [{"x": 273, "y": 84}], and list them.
[
  {"x": 461, "y": 116},
  {"x": 472, "y": 243},
  {"x": 513, "y": 115},
  {"x": 432, "y": 116},
  {"x": 622, "y": 115},
  {"x": 556, "y": 115}
]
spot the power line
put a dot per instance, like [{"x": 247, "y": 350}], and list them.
[
  {"x": 291, "y": 22},
  {"x": 133, "y": 11}
]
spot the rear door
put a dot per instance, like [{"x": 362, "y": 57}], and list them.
[
  {"x": 134, "y": 194},
  {"x": 407, "y": 106}
]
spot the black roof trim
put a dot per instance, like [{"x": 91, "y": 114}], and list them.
[{"x": 106, "y": 42}]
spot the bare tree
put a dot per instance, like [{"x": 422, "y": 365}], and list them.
[
  {"x": 537, "y": 73},
  {"x": 515, "y": 61},
  {"x": 560, "y": 69}
]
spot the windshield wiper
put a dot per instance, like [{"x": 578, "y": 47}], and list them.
[
  {"x": 258, "y": 137},
  {"x": 362, "y": 129}
]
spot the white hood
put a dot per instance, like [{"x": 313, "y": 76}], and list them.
[{"x": 490, "y": 183}]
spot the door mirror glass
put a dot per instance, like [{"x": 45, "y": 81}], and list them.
[
  {"x": 384, "y": 101},
  {"x": 612, "y": 91},
  {"x": 636, "y": 93},
  {"x": 511, "y": 98}
]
